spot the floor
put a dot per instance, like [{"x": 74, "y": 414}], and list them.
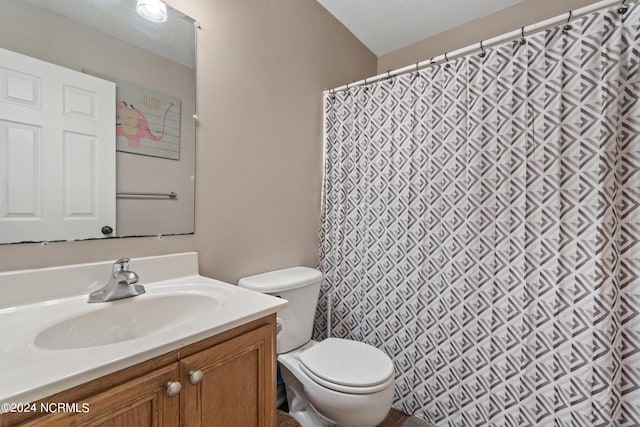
[
  {"x": 286, "y": 420},
  {"x": 394, "y": 418}
]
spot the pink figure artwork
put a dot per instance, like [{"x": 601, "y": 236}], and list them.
[{"x": 133, "y": 124}]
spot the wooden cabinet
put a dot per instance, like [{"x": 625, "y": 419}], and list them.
[
  {"x": 234, "y": 385},
  {"x": 139, "y": 402},
  {"x": 232, "y": 390}
]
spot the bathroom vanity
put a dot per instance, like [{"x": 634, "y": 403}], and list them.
[
  {"x": 234, "y": 386},
  {"x": 191, "y": 351}
]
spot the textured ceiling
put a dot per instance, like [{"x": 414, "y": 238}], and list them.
[
  {"x": 387, "y": 25},
  {"x": 173, "y": 39}
]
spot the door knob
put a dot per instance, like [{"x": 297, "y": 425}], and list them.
[
  {"x": 195, "y": 377},
  {"x": 173, "y": 388}
]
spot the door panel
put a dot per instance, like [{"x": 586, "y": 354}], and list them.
[
  {"x": 238, "y": 383},
  {"x": 20, "y": 177},
  {"x": 57, "y": 151},
  {"x": 141, "y": 402}
]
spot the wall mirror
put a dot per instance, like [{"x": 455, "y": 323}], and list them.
[{"x": 151, "y": 116}]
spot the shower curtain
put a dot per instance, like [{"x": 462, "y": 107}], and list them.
[{"x": 481, "y": 225}]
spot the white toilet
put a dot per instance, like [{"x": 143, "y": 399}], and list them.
[{"x": 333, "y": 382}]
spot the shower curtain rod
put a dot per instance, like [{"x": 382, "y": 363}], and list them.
[{"x": 521, "y": 33}]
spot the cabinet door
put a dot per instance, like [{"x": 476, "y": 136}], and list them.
[
  {"x": 140, "y": 402},
  {"x": 237, "y": 386}
]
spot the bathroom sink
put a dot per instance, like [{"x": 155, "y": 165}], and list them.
[
  {"x": 53, "y": 339},
  {"x": 124, "y": 320}
]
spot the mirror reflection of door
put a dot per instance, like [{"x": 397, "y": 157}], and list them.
[
  {"x": 56, "y": 152},
  {"x": 111, "y": 41}
]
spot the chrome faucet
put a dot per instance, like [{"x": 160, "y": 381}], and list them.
[{"x": 121, "y": 285}]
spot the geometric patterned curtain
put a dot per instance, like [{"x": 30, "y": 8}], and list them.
[{"x": 481, "y": 225}]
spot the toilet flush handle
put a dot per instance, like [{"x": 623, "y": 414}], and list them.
[{"x": 279, "y": 326}]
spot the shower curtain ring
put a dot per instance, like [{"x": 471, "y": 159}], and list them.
[
  {"x": 623, "y": 8},
  {"x": 417, "y": 66},
  {"x": 482, "y": 52},
  {"x": 446, "y": 59},
  {"x": 568, "y": 26},
  {"x": 523, "y": 40}
]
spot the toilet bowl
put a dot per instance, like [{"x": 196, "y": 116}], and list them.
[
  {"x": 329, "y": 398},
  {"x": 335, "y": 382}
]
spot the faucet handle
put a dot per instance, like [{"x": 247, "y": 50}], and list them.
[{"x": 120, "y": 265}]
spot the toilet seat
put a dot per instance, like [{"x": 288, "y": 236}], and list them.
[
  {"x": 346, "y": 389},
  {"x": 347, "y": 366}
]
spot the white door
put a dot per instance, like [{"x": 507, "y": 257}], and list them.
[{"x": 57, "y": 152}]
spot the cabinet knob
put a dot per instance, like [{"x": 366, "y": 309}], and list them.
[
  {"x": 173, "y": 388},
  {"x": 195, "y": 377}
]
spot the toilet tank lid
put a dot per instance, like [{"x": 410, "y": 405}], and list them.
[{"x": 281, "y": 280}]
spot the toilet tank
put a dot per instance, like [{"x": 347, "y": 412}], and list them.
[{"x": 300, "y": 286}]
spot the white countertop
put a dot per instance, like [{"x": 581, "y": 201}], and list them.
[{"x": 31, "y": 370}]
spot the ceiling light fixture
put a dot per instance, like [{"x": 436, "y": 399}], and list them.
[{"x": 152, "y": 10}]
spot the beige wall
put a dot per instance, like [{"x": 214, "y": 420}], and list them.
[
  {"x": 262, "y": 67},
  {"x": 511, "y": 18}
]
